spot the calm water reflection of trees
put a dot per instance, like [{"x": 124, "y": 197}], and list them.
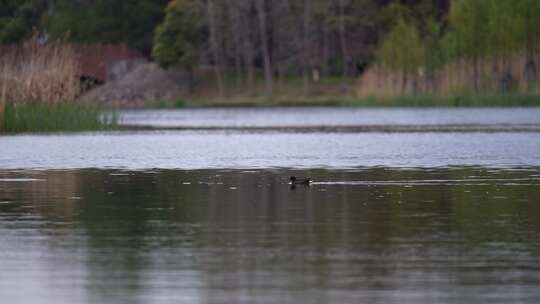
[{"x": 234, "y": 230}]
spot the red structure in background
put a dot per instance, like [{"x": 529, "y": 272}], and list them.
[{"x": 95, "y": 59}]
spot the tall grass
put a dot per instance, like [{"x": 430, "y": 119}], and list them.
[
  {"x": 454, "y": 78},
  {"x": 39, "y": 86},
  {"x": 41, "y": 117},
  {"x": 521, "y": 100},
  {"x": 35, "y": 73}
]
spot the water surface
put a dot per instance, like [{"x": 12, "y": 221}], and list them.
[
  {"x": 330, "y": 117},
  {"x": 230, "y": 236},
  {"x": 204, "y": 213}
]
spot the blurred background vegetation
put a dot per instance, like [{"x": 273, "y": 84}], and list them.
[{"x": 392, "y": 47}]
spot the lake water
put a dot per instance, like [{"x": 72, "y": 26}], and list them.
[{"x": 194, "y": 206}]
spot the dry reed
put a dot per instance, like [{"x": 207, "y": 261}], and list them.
[
  {"x": 454, "y": 78},
  {"x": 35, "y": 73}
]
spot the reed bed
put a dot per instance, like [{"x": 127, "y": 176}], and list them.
[
  {"x": 494, "y": 77},
  {"x": 36, "y": 73},
  {"x": 39, "y": 86},
  {"x": 514, "y": 100}
]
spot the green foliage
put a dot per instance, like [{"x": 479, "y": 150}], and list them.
[
  {"x": 401, "y": 48},
  {"x": 491, "y": 27},
  {"x": 391, "y": 14},
  {"x": 434, "y": 48},
  {"x": 18, "y": 18},
  {"x": 42, "y": 117},
  {"x": 332, "y": 36},
  {"x": 451, "y": 101},
  {"x": 506, "y": 27},
  {"x": 177, "y": 39},
  {"x": 493, "y": 31},
  {"x": 106, "y": 21},
  {"x": 12, "y": 30},
  {"x": 529, "y": 10},
  {"x": 167, "y": 104},
  {"x": 469, "y": 27}
]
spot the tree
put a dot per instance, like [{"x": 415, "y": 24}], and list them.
[
  {"x": 215, "y": 45},
  {"x": 468, "y": 36},
  {"x": 107, "y": 21},
  {"x": 343, "y": 35},
  {"x": 433, "y": 51},
  {"x": 177, "y": 39},
  {"x": 19, "y": 18},
  {"x": 265, "y": 48},
  {"x": 530, "y": 10},
  {"x": 402, "y": 50},
  {"x": 506, "y": 27}
]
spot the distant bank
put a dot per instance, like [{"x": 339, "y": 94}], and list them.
[
  {"x": 347, "y": 101},
  {"x": 146, "y": 85}
]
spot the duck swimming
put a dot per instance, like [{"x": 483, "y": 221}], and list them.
[{"x": 301, "y": 181}]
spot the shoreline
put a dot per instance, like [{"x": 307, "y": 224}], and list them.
[
  {"x": 339, "y": 101},
  {"x": 82, "y": 116}
]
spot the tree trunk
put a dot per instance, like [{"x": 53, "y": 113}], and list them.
[
  {"x": 2, "y": 107},
  {"x": 415, "y": 87},
  {"x": 261, "y": 12},
  {"x": 476, "y": 76},
  {"x": 325, "y": 50},
  {"x": 305, "y": 46},
  {"x": 343, "y": 38},
  {"x": 238, "y": 68},
  {"x": 214, "y": 46},
  {"x": 530, "y": 72},
  {"x": 250, "y": 69},
  {"x": 404, "y": 80},
  {"x": 246, "y": 40},
  {"x": 506, "y": 79},
  {"x": 2, "y": 110},
  {"x": 234, "y": 19}
]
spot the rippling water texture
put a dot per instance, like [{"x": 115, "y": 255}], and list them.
[
  {"x": 291, "y": 138},
  {"x": 194, "y": 206}
]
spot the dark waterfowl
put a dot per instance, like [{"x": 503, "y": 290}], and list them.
[{"x": 301, "y": 181}]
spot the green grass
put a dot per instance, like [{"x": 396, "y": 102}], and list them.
[
  {"x": 451, "y": 101},
  {"x": 403, "y": 101},
  {"x": 166, "y": 104},
  {"x": 273, "y": 101},
  {"x": 58, "y": 117}
]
